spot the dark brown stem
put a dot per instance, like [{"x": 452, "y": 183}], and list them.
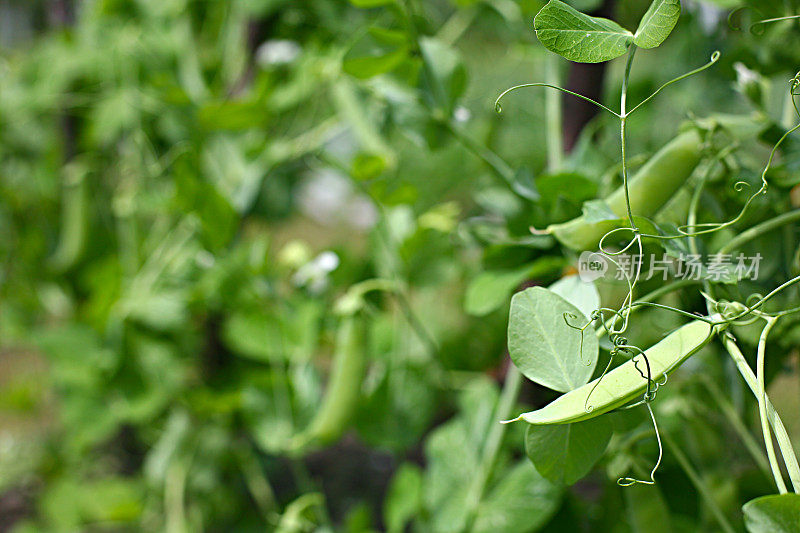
[{"x": 586, "y": 79}]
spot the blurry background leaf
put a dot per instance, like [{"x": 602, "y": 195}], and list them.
[{"x": 565, "y": 453}]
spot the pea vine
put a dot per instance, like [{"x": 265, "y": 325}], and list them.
[{"x": 625, "y": 219}]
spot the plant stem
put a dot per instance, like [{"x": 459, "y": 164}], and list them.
[
  {"x": 781, "y": 435},
  {"x": 728, "y": 410},
  {"x": 174, "y": 504},
  {"x": 762, "y": 406},
  {"x": 553, "y": 116},
  {"x": 759, "y": 229},
  {"x": 257, "y": 483},
  {"x": 622, "y": 128},
  {"x": 698, "y": 483},
  {"x": 508, "y": 398}
]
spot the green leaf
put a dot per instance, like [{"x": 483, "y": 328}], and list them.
[
  {"x": 517, "y": 499},
  {"x": 581, "y": 294},
  {"x": 253, "y": 334},
  {"x": 302, "y": 512},
  {"x": 525, "y": 185},
  {"x": 491, "y": 288},
  {"x": 368, "y": 66},
  {"x": 368, "y": 166},
  {"x": 777, "y": 513},
  {"x": 235, "y": 115},
  {"x": 541, "y": 344},
  {"x": 566, "y": 187},
  {"x": 579, "y": 37},
  {"x": 388, "y": 37},
  {"x": 564, "y": 453},
  {"x": 377, "y": 52},
  {"x": 365, "y": 4},
  {"x": 404, "y": 497},
  {"x": 657, "y": 23},
  {"x": 452, "y": 453},
  {"x": 647, "y": 510},
  {"x": 522, "y": 501},
  {"x": 444, "y": 77},
  {"x": 193, "y": 194},
  {"x": 598, "y": 211}
]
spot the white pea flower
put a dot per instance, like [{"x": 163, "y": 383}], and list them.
[{"x": 277, "y": 52}]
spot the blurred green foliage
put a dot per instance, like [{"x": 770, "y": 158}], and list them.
[{"x": 191, "y": 193}]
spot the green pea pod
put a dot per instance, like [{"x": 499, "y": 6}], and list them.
[
  {"x": 625, "y": 383},
  {"x": 649, "y": 189},
  {"x": 344, "y": 384},
  {"x": 74, "y": 220}
]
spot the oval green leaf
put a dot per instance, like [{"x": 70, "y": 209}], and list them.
[
  {"x": 541, "y": 344},
  {"x": 777, "y": 513},
  {"x": 657, "y": 23},
  {"x": 579, "y": 37}
]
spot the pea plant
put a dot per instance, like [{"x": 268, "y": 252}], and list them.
[
  {"x": 258, "y": 256},
  {"x": 556, "y": 334}
]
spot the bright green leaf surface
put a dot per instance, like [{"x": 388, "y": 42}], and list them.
[
  {"x": 543, "y": 346},
  {"x": 657, "y": 23},
  {"x": 579, "y": 37}
]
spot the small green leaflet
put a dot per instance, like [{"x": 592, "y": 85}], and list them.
[
  {"x": 541, "y": 344},
  {"x": 773, "y": 514},
  {"x": 579, "y": 37},
  {"x": 657, "y": 23}
]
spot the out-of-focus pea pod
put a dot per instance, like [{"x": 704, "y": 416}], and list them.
[
  {"x": 649, "y": 189},
  {"x": 344, "y": 383},
  {"x": 347, "y": 371},
  {"x": 625, "y": 383},
  {"x": 74, "y": 218}
]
